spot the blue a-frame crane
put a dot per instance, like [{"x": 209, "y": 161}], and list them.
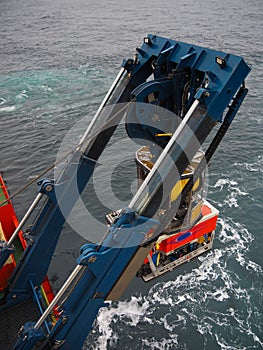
[{"x": 203, "y": 87}]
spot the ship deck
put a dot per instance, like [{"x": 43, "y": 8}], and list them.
[{"x": 12, "y": 319}]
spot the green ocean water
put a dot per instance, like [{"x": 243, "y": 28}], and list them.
[{"x": 57, "y": 61}]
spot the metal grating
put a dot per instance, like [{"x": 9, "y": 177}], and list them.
[{"x": 12, "y": 319}]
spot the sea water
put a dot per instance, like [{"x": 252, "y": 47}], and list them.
[{"x": 57, "y": 60}]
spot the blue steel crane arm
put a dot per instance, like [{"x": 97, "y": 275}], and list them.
[
  {"x": 104, "y": 270},
  {"x": 45, "y": 231}
]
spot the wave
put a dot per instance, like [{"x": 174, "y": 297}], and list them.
[
  {"x": 2, "y": 101},
  {"x": 255, "y": 166},
  {"x": 232, "y": 190},
  {"x": 7, "y": 109}
]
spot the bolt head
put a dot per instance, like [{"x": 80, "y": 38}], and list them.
[
  {"x": 92, "y": 259},
  {"x": 49, "y": 188}
]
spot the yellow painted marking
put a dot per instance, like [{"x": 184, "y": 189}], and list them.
[{"x": 167, "y": 134}]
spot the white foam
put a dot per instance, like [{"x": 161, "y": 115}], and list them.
[
  {"x": 129, "y": 311},
  {"x": 220, "y": 294},
  {"x": 255, "y": 166},
  {"x": 162, "y": 344},
  {"x": 2, "y": 101},
  {"x": 231, "y": 201},
  {"x": 251, "y": 265},
  {"x": 23, "y": 94},
  {"x": 232, "y": 190},
  {"x": 7, "y": 109},
  {"x": 46, "y": 88},
  {"x": 255, "y": 337},
  {"x": 165, "y": 323},
  {"x": 222, "y": 182},
  {"x": 224, "y": 346},
  {"x": 180, "y": 299},
  {"x": 235, "y": 233}
]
